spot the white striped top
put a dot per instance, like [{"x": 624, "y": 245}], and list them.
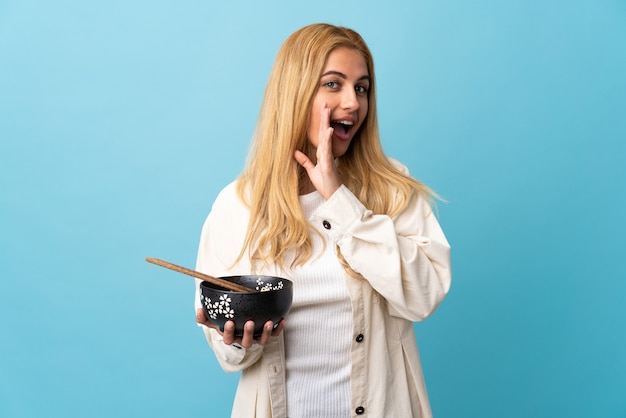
[{"x": 318, "y": 332}]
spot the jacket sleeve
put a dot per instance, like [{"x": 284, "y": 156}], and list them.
[
  {"x": 406, "y": 259},
  {"x": 220, "y": 242}
]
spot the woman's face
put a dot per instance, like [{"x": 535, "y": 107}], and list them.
[{"x": 343, "y": 87}]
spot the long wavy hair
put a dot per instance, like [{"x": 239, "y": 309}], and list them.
[{"x": 277, "y": 230}]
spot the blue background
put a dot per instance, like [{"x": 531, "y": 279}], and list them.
[{"x": 120, "y": 121}]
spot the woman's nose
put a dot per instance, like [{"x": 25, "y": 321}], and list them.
[{"x": 349, "y": 99}]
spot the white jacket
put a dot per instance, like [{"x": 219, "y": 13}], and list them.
[{"x": 406, "y": 261}]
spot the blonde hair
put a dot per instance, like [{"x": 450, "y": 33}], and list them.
[{"x": 277, "y": 230}]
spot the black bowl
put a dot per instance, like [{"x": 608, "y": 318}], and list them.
[{"x": 271, "y": 301}]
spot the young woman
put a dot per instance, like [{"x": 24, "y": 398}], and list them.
[{"x": 320, "y": 204}]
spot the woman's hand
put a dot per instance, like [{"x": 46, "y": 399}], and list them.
[
  {"x": 323, "y": 173},
  {"x": 248, "y": 331}
]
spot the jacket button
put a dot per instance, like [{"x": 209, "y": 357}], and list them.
[
  {"x": 326, "y": 224},
  {"x": 359, "y": 338},
  {"x": 360, "y": 410}
]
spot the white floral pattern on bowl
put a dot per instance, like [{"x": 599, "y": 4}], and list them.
[
  {"x": 261, "y": 286},
  {"x": 220, "y": 307}
]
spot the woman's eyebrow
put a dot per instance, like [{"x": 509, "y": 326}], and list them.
[{"x": 342, "y": 75}]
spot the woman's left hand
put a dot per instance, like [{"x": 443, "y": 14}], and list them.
[
  {"x": 247, "y": 340},
  {"x": 323, "y": 173}
]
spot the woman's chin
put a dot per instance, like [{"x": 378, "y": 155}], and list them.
[{"x": 340, "y": 148}]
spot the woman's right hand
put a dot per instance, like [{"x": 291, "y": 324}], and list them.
[{"x": 248, "y": 331}]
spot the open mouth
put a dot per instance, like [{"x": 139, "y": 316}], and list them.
[{"x": 342, "y": 128}]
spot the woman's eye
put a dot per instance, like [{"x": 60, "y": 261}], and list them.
[
  {"x": 332, "y": 84},
  {"x": 361, "y": 89}
]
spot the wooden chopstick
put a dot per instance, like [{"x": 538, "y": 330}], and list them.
[{"x": 216, "y": 281}]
